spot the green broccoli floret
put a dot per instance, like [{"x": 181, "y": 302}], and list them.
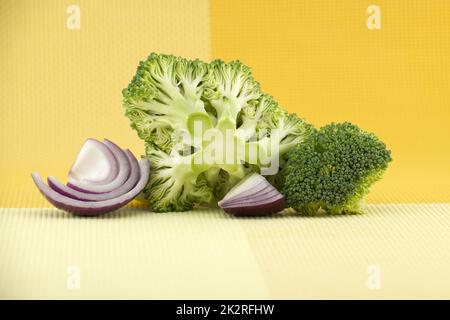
[
  {"x": 166, "y": 100},
  {"x": 173, "y": 186},
  {"x": 333, "y": 170}
]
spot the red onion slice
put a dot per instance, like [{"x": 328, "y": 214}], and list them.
[
  {"x": 92, "y": 208},
  {"x": 245, "y": 195},
  {"x": 258, "y": 210},
  {"x": 122, "y": 176},
  {"x": 253, "y": 196},
  {"x": 74, "y": 194},
  {"x": 94, "y": 164},
  {"x": 256, "y": 199},
  {"x": 257, "y": 181}
]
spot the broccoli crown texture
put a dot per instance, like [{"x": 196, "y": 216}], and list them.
[
  {"x": 333, "y": 170},
  {"x": 166, "y": 100}
]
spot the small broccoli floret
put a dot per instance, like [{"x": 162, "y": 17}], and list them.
[
  {"x": 292, "y": 131},
  {"x": 230, "y": 87},
  {"x": 173, "y": 186},
  {"x": 220, "y": 181},
  {"x": 333, "y": 170},
  {"x": 164, "y": 93}
]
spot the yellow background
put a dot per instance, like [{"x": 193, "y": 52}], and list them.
[
  {"x": 318, "y": 59},
  {"x": 62, "y": 86}
]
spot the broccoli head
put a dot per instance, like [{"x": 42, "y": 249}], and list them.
[
  {"x": 188, "y": 111},
  {"x": 333, "y": 170}
]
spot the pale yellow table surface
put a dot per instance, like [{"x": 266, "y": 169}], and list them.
[{"x": 207, "y": 254}]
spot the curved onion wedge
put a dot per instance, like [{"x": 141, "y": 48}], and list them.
[
  {"x": 255, "y": 199},
  {"x": 92, "y": 208},
  {"x": 257, "y": 181},
  {"x": 122, "y": 176},
  {"x": 253, "y": 196},
  {"x": 74, "y": 194},
  {"x": 267, "y": 190},
  {"x": 95, "y": 163},
  {"x": 258, "y": 210}
]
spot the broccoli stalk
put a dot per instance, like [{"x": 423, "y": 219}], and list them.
[
  {"x": 333, "y": 170},
  {"x": 166, "y": 100}
]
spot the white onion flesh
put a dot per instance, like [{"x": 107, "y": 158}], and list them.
[
  {"x": 255, "y": 199},
  {"x": 127, "y": 186},
  {"x": 253, "y": 196},
  {"x": 94, "y": 164},
  {"x": 122, "y": 175},
  {"x": 250, "y": 194},
  {"x": 256, "y": 180}
]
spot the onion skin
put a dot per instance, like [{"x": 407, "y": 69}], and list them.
[
  {"x": 265, "y": 209},
  {"x": 93, "y": 208},
  {"x": 253, "y": 202},
  {"x": 122, "y": 176},
  {"x": 75, "y": 194}
]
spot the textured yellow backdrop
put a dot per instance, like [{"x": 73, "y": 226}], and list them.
[
  {"x": 318, "y": 59},
  {"x": 62, "y": 86}
]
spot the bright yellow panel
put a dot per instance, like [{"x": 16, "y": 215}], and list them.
[
  {"x": 61, "y": 86},
  {"x": 319, "y": 59}
]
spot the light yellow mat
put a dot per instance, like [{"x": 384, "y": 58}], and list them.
[{"x": 394, "y": 251}]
